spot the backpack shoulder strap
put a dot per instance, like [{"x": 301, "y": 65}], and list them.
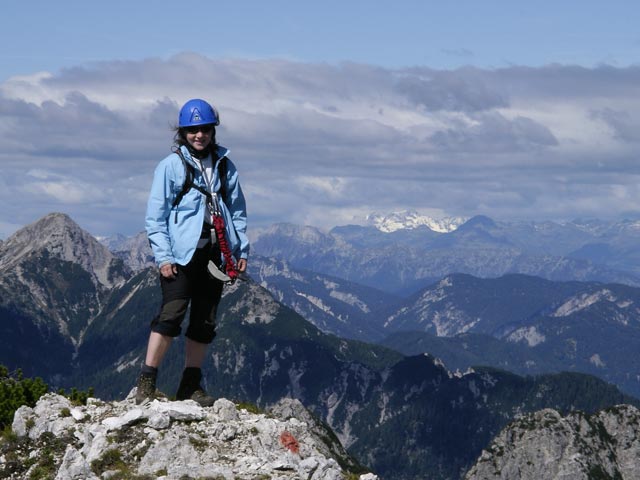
[
  {"x": 189, "y": 173},
  {"x": 188, "y": 179}
]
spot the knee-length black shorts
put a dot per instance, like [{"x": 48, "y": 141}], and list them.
[{"x": 192, "y": 285}]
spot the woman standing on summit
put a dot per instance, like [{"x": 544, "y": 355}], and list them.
[{"x": 196, "y": 224}]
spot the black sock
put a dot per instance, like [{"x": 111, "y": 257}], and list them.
[{"x": 149, "y": 370}]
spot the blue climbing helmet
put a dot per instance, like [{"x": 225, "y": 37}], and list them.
[{"x": 198, "y": 112}]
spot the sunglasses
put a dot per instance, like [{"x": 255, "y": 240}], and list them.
[{"x": 206, "y": 129}]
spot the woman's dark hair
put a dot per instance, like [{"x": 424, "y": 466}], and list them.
[{"x": 180, "y": 139}]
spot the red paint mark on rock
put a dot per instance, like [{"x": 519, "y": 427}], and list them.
[{"x": 289, "y": 442}]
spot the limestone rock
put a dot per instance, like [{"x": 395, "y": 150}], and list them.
[
  {"x": 171, "y": 440},
  {"x": 578, "y": 446}
]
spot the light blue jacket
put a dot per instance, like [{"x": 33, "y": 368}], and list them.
[{"x": 174, "y": 239}]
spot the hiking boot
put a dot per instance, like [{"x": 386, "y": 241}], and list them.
[
  {"x": 190, "y": 388},
  {"x": 146, "y": 387},
  {"x": 201, "y": 397}
]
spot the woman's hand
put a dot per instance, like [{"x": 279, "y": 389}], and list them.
[
  {"x": 170, "y": 270},
  {"x": 242, "y": 265}
]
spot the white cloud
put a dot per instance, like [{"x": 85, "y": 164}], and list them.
[
  {"x": 320, "y": 144},
  {"x": 64, "y": 192}
]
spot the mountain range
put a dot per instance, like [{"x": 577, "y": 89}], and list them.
[
  {"x": 523, "y": 323},
  {"x": 405, "y": 260},
  {"x": 410, "y": 255},
  {"x": 465, "y": 320},
  {"x": 403, "y": 416}
]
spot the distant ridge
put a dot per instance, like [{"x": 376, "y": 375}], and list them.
[{"x": 407, "y": 259}]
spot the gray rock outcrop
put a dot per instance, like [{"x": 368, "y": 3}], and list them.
[
  {"x": 547, "y": 445},
  {"x": 170, "y": 440}
]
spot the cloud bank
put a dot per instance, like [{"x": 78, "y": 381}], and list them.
[{"x": 326, "y": 144}]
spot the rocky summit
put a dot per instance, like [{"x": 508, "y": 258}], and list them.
[
  {"x": 165, "y": 439},
  {"x": 578, "y": 446}
]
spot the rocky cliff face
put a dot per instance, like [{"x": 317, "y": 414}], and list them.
[
  {"x": 547, "y": 445},
  {"x": 134, "y": 251},
  {"x": 171, "y": 440}
]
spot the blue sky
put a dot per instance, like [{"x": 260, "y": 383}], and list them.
[
  {"x": 332, "y": 110},
  {"x": 50, "y": 35}
]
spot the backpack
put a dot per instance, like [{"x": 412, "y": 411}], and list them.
[{"x": 188, "y": 181}]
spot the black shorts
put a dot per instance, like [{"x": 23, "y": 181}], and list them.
[{"x": 194, "y": 285}]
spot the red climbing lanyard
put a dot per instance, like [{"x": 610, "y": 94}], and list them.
[{"x": 218, "y": 225}]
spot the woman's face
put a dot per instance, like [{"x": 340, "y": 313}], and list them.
[{"x": 199, "y": 137}]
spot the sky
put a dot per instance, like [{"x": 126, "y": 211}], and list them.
[{"x": 331, "y": 110}]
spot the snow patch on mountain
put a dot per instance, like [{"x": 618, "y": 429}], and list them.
[
  {"x": 129, "y": 296},
  {"x": 409, "y": 220},
  {"x": 279, "y": 268},
  {"x": 582, "y": 301},
  {"x": 350, "y": 299},
  {"x": 434, "y": 296},
  {"x": 127, "y": 361},
  {"x": 445, "y": 282},
  {"x": 315, "y": 301},
  {"x": 597, "y": 361},
  {"x": 452, "y": 322},
  {"x": 328, "y": 284},
  {"x": 531, "y": 335},
  {"x": 391, "y": 318}
]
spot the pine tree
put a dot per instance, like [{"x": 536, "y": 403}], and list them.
[{"x": 15, "y": 391}]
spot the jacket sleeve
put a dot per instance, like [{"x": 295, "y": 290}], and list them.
[
  {"x": 238, "y": 208},
  {"x": 159, "y": 212}
]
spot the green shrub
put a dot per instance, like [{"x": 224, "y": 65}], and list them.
[
  {"x": 78, "y": 397},
  {"x": 16, "y": 391},
  {"x": 110, "y": 460},
  {"x": 249, "y": 407}
]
